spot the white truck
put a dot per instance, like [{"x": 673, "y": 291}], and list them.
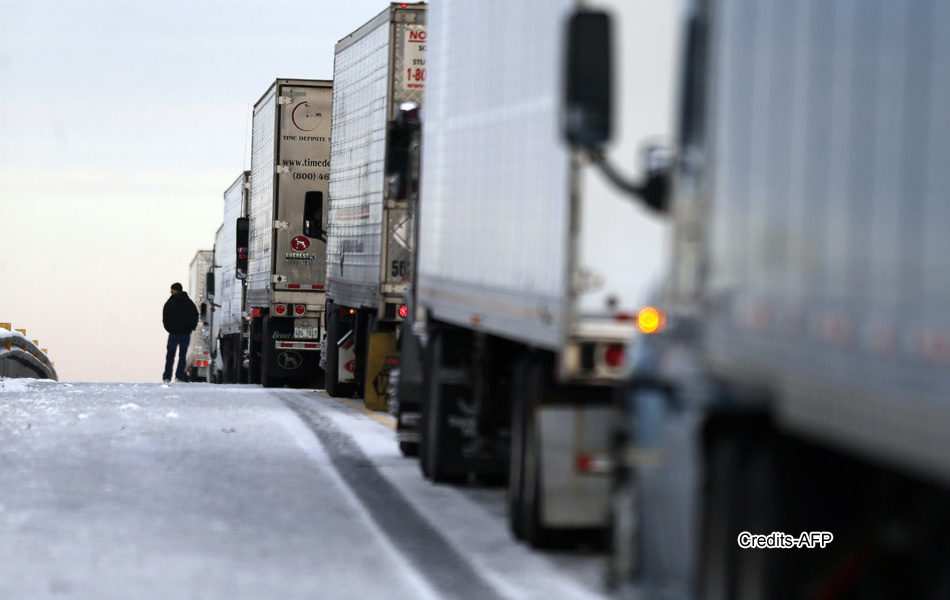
[
  {"x": 369, "y": 250},
  {"x": 228, "y": 322},
  {"x": 530, "y": 265},
  {"x": 199, "y": 349},
  {"x": 785, "y": 433},
  {"x": 286, "y": 245}
]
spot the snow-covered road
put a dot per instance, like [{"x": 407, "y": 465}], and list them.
[{"x": 199, "y": 491}]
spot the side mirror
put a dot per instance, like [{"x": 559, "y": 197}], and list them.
[
  {"x": 242, "y": 236},
  {"x": 209, "y": 285},
  {"x": 587, "y": 102},
  {"x": 403, "y": 135},
  {"x": 204, "y": 312},
  {"x": 655, "y": 189}
]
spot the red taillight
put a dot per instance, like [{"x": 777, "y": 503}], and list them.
[
  {"x": 300, "y": 309},
  {"x": 280, "y": 309},
  {"x": 352, "y": 311},
  {"x": 614, "y": 355},
  {"x": 403, "y": 311}
]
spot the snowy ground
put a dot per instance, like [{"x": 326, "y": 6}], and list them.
[{"x": 199, "y": 491}]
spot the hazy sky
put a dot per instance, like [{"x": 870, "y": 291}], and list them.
[{"x": 121, "y": 125}]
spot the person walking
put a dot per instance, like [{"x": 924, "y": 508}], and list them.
[{"x": 180, "y": 318}]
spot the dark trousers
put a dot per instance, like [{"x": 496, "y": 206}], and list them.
[{"x": 179, "y": 341}]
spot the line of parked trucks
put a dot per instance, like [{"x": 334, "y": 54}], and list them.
[{"x": 753, "y": 337}]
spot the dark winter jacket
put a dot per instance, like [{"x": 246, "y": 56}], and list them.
[{"x": 180, "y": 314}]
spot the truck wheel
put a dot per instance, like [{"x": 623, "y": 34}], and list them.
[
  {"x": 429, "y": 430},
  {"x": 535, "y": 385},
  {"x": 720, "y": 550},
  {"x": 336, "y": 328},
  {"x": 624, "y": 514},
  {"x": 439, "y": 451},
  {"x": 409, "y": 449},
  {"x": 224, "y": 359},
  {"x": 516, "y": 457},
  {"x": 408, "y": 390},
  {"x": 743, "y": 495}
]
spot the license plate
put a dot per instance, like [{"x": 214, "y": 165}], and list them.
[{"x": 306, "y": 333}]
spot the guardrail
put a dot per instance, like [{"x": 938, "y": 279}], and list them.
[{"x": 21, "y": 357}]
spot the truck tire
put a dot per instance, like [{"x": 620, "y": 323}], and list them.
[
  {"x": 720, "y": 550},
  {"x": 439, "y": 452},
  {"x": 516, "y": 458},
  {"x": 623, "y": 530},
  {"x": 525, "y": 476},
  {"x": 747, "y": 491},
  {"x": 536, "y": 382},
  {"x": 336, "y": 329},
  {"x": 409, "y": 390},
  {"x": 224, "y": 359}
]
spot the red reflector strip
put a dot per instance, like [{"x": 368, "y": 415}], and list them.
[
  {"x": 299, "y": 345},
  {"x": 293, "y": 286}
]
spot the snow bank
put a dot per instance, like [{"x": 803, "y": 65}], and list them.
[{"x": 12, "y": 385}]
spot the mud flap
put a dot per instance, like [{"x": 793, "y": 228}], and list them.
[{"x": 382, "y": 357}]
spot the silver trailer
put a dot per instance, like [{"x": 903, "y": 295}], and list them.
[
  {"x": 229, "y": 320},
  {"x": 786, "y": 434},
  {"x": 199, "y": 349},
  {"x": 530, "y": 265},
  {"x": 290, "y": 153},
  {"x": 376, "y": 68}
]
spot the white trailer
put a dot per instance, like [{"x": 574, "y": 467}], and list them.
[
  {"x": 229, "y": 321},
  {"x": 370, "y": 245},
  {"x": 290, "y": 152},
  {"x": 786, "y": 434},
  {"x": 530, "y": 265},
  {"x": 199, "y": 349}
]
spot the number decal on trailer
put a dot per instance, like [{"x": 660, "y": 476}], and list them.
[{"x": 399, "y": 268}]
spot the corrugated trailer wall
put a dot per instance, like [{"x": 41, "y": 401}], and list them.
[
  {"x": 373, "y": 74},
  {"x": 828, "y": 268},
  {"x": 495, "y": 188},
  {"x": 228, "y": 316},
  {"x": 260, "y": 203}
]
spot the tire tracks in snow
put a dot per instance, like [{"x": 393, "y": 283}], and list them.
[{"x": 447, "y": 571}]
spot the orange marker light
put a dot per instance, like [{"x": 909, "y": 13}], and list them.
[{"x": 650, "y": 320}]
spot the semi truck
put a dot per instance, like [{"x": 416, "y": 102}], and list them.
[
  {"x": 369, "y": 247},
  {"x": 286, "y": 231},
  {"x": 783, "y": 433},
  {"x": 229, "y": 324},
  {"x": 199, "y": 349},
  {"x": 530, "y": 264}
]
